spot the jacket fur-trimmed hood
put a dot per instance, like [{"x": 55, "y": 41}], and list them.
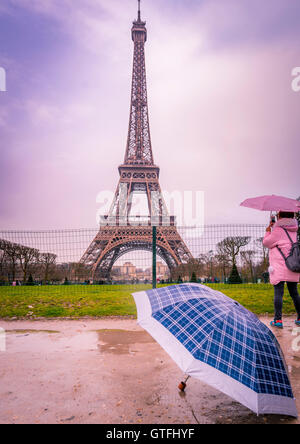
[{"x": 288, "y": 224}]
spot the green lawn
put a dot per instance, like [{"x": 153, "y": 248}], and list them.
[{"x": 106, "y": 300}]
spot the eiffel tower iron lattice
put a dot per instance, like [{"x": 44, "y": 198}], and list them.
[{"x": 120, "y": 232}]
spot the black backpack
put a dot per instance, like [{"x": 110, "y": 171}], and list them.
[{"x": 292, "y": 261}]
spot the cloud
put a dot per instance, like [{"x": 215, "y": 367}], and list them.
[
  {"x": 222, "y": 113},
  {"x": 233, "y": 24},
  {"x": 49, "y": 115},
  {"x": 3, "y": 117},
  {"x": 92, "y": 23}
]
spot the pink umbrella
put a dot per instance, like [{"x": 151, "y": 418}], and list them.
[{"x": 272, "y": 203}]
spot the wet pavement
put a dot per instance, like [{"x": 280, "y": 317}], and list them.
[{"x": 111, "y": 371}]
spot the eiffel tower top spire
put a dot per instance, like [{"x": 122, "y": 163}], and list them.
[{"x": 138, "y": 148}]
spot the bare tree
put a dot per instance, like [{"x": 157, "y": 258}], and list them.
[
  {"x": 79, "y": 271},
  {"x": 26, "y": 257},
  {"x": 265, "y": 253},
  {"x": 195, "y": 267},
  {"x": 223, "y": 263},
  {"x": 60, "y": 272},
  {"x": 3, "y": 258},
  {"x": 186, "y": 270},
  {"x": 208, "y": 260},
  {"x": 230, "y": 247},
  {"x": 11, "y": 252},
  {"x": 298, "y": 218},
  {"x": 247, "y": 257},
  {"x": 47, "y": 261}
]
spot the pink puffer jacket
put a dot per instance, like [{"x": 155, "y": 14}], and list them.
[{"x": 278, "y": 270}]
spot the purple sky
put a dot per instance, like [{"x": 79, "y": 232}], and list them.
[{"x": 223, "y": 117}]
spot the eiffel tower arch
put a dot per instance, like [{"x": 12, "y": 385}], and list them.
[{"x": 120, "y": 232}]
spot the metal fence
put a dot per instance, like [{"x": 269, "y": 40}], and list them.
[{"x": 220, "y": 254}]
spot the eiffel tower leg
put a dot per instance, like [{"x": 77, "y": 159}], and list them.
[
  {"x": 103, "y": 270},
  {"x": 113, "y": 242}
]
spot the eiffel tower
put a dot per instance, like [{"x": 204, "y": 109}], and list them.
[{"x": 120, "y": 232}]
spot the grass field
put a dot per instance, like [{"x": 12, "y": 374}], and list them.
[{"x": 93, "y": 300}]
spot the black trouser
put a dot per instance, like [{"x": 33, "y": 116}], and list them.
[{"x": 278, "y": 295}]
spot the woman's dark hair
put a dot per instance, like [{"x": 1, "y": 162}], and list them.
[{"x": 286, "y": 215}]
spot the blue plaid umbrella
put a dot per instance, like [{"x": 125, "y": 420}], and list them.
[{"x": 218, "y": 341}]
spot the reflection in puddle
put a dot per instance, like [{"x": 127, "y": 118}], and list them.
[
  {"x": 119, "y": 341},
  {"x": 49, "y": 341},
  {"x": 31, "y": 331}
]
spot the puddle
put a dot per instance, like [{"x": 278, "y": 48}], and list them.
[
  {"x": 114, "y": 341},
  {"x": 119, "y": 341},
  {"x": 30, "y": 331},
  {"x": 49, "y": 341}
]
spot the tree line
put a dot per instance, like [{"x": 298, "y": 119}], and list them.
[
  {"x": 230, "y": 262},
  {"x": 25, "y": 264}
]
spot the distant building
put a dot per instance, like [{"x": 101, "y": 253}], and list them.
[
  {"x": 128, "y": 271},
  {"x": 162, "y": 271}
]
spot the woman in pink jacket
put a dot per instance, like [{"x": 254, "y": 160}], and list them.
[{"x": 279, "y": 273}]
